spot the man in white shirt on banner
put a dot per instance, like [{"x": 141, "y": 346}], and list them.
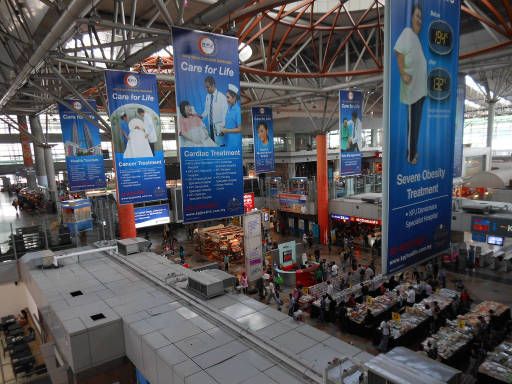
[
  {"x": 215, "y": 110},
  {"x": 356, "y": 134},
  {"x": 412, "y": 65}
]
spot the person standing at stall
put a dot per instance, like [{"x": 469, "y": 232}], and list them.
[{"x": 384, "y": 340}]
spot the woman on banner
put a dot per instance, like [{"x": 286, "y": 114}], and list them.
[
  {"x": 233, "y": 122},
  {"x": 263, "y": 134},
  {"x": 413, "y": 75},
  {"x": 138, "y": 143},
  {"x": 191, "y": 128}
]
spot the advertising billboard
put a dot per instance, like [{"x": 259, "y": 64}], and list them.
[
  {"x": 209, "y": 124},
  {"x": 82, "y": 147},
  {"x": 351, "y": 132},
  {"x": 253, "y": 249},
  {"x": 136, "y": 136},
  {"x": 152, "y": 215},
  {"x": 263, "y": 134},
  {"x": 420, "y": 97}
]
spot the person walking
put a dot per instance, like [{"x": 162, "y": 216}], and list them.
[
  {"x": 244, "y": 283},
  {"x": 226, "y": 262},
  {"x": 291, "y": 305},
  {"x": 16, "y": 205},
  {"x": 273, "y": 294},
  {"x": 182, "y": 254},
  {"x": 384, "y": 340}
]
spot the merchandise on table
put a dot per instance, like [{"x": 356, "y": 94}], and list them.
[
  {"x": 498, "y": 364},
  {"x": 409, "y": 320},
  {"x": 482, "y": 309},
  {"x": 450, "y": 339},
  {"x": 219, "y": 240},
  {"x": 378, "y": 306}
]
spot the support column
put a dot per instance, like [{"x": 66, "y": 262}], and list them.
[
  {"x": 126, "y": 215},
  {"x": 27, "y": 153},
  {"x": 322, "y": 187},
  {"x": 490, "y": 122},
  {"x": 50, "y": 173},
  {"x": 37, "y": 132}
]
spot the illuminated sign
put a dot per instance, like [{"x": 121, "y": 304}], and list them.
[
  {"x": 492, "y": 226},
  {"x": 249, "y": 201},
  {"x": 356, "y": 219}
]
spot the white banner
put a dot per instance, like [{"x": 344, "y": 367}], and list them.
[{"x": 252, "y": 246}]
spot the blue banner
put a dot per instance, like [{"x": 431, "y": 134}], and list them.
[
  {"x": 263, "y": 134},
  {"x": 82, "y": 146},
  {"x": 152, "y": 215},
  {"x": 136, "y": 136},
  {"x": 351, "y": 132},
  {"x": 458, "y": 149},
  {"x": 420, "y": 97},
  {"x": 209, "y": 124}
]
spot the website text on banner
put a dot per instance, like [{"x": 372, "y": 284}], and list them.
[
  {"x": 82, "y": 146},
  {"x": 420, "y": 97},
  {"x": 136, "y": 136},
  {"x": 351, "y": 132},
  {"x": 263, "y": 135},
  {"x": 209, "y": 124}
]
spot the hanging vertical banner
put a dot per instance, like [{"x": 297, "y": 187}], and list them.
[
  {"x": 25, "y": 142},
  {"x": 253, "y": 249},
  {"x": 263, "y": 136},
  {"x": 351, "y": 133},
  {"x": 458, "y": 148},
  {"x": 82, "y": 146},
  {"x": 420, "y": 97},
  {"x": 136, "y": 136},
  {"x": 209, "y": 124}
]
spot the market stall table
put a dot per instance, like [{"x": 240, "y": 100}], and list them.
[{"x": 497, "y": 367}]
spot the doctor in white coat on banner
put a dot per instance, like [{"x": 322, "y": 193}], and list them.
[{"x": 215, "y": 110}]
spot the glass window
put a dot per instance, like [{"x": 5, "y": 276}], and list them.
[
  {"x": 169, "y": 145},
  {"x": 168, "y": 123}
]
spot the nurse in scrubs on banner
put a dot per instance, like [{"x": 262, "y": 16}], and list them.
[
  {"x": 413, "y": 75},
  {"x": 233, "y": 124}
]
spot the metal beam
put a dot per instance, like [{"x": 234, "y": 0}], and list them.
[{"x": 76, "y": 9}]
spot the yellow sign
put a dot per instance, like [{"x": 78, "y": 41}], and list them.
[
  {"x": 461, "y": 323},
  {"x": 395, "y": 316},
  {"x": 369, "y": 300}
]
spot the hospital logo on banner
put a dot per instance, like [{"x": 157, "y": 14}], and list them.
[
  {"x": 77, "y": 105},
  {"x": 262, "y": 111},
  {"x": 350, "y": 95},
  {"x": 131, "y": 80},
  {"x": 206, "y": 46}
]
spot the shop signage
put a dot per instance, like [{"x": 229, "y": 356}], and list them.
[
  {"x": 291, "y": 202},
  {"x": 253, "y": 249},
  {"x": 420, "y": 99},
  {"x": 209, "y": 124},
  {"x": 249, "y": 204},
  {"x": 491, "y": 226},
  {"x": 82, "y": 146},
  {"x": 263, "y": 137},
  {"x": 152, "y": 215},
  {"x": 136, "y": 136},
  {"x": 287, "y": 253},
  {"x": 351, "y": 134},
  {"x": 356, "y": 219}
]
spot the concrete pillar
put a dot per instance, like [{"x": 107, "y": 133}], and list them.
[
  {"x": 27, "y": 153},
  {"x": 490, "y": 121},
  {"x": 322, "y": 187},
  {"x": 50, "y": 173},
  {"x": 37, "y": 132}
]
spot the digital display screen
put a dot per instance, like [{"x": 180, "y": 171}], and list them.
[
  {"x": 440, "y": 37},
  {"x": 495, "y": 240},
  {"x": 439, "y": 84}
]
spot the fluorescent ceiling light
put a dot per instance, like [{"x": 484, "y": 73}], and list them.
[{"x": 244, "y": 52}]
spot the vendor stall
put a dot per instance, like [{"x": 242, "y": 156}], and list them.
[
  {"x": 220, "y": 240},
  {"x": 497, "y": 367},
  {"x": 409, "y": 328}
]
